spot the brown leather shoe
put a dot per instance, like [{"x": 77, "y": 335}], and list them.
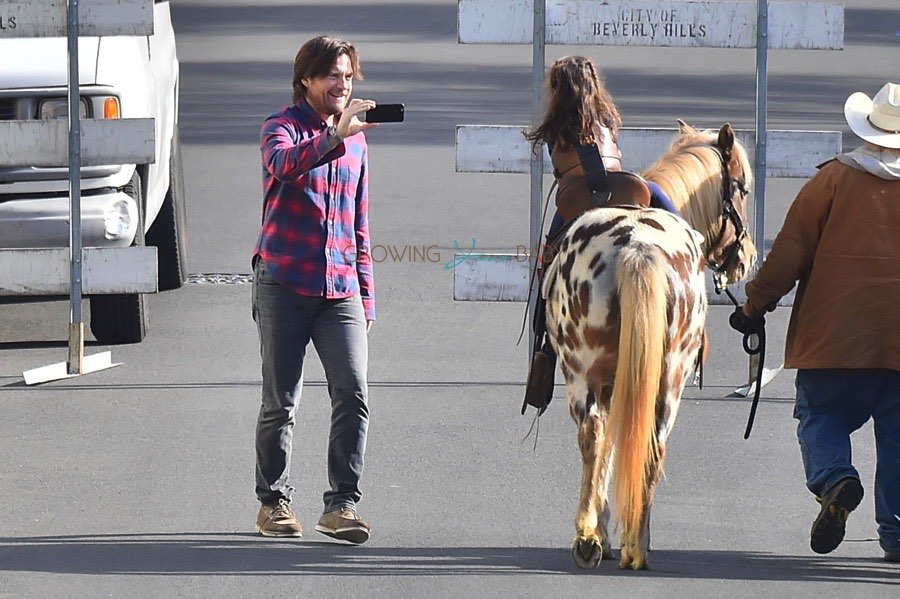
[
  {"x": 344, "y": 525},
  {"x": 278, "y": 521},
  {"x": 539, "y": 387}
]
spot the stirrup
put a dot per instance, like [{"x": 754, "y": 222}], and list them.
[{"x": 541, "y": 374}]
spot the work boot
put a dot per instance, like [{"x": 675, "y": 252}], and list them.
[
  {"x": 344, "y": 525},
  {"x": 828, "y": 529},
  {"x": 539, "y": 386},
  {"x": 278, "y": 521}
]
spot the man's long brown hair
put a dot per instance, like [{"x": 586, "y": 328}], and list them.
[
  {"x": 578, "y": 99},
  {"x": 316, "y": 57}
]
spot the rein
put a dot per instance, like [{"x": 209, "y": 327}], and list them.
[
  {"x": 754, "y": 342},
  {"x": 538, "y": 258}
]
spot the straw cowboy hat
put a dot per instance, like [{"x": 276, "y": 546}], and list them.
[{"x": 876, "y": 120}]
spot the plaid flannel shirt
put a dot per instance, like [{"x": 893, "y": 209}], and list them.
[{"x": 315, "y": 222}]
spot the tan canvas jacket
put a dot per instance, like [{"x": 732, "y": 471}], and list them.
[{"x": 841, "y": 241}]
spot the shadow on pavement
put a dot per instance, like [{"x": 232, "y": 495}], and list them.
[
  {"x": 440, "y": 96},
  {"x": 246, "y": 554},
  {"x": 228, "y": 100},
  {"x": 61, "y": 343},
  {"x": 17, "y": 384}
]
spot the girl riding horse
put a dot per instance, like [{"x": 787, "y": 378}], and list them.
[
  {"x": 625, "y": 311},
  {"x": 580, "y": 114}
]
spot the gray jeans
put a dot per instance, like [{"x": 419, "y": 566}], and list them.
[{"x": 286, "y": 323}]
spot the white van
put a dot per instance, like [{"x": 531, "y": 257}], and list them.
[{"x": 122, "y": 204}]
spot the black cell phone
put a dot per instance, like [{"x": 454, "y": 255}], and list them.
[{"x": 385, "y": 113}]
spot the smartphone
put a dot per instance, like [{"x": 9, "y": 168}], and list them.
[{"x": 385, "y": 113}]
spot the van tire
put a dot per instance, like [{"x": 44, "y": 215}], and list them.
[
  {"x": 122, "y": 318},
  {"x": 169, "y": 231}
]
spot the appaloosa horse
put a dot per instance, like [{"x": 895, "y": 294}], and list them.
[{"x": 626, "y": 311}]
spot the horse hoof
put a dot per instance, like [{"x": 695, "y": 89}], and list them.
[
  {"x": 634, "y": 564},
  {"x": 587, "y": 553}
]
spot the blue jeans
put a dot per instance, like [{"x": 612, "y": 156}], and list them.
[
  {"x": 830, "y": 405},
  {"x": 287, "y": 322}
]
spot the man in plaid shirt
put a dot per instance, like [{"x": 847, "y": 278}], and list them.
[{"x": 313, "y": 282}]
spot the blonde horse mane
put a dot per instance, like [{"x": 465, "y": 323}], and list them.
[{"x": 690, "y": 174}]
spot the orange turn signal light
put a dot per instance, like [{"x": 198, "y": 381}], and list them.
[{"x": 111, "y": 108}]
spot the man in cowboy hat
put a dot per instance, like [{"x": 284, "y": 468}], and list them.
[{"x": 840, "y": 241}]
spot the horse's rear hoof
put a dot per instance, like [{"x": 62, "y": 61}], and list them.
[
  {"x": 587, "y": 553},
  {"x": 633, "y": 563}
]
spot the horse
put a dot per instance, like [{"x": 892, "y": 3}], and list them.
[{"x": 626, "y": 311}]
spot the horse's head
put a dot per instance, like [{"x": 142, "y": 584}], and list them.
[
  {"x": 733, "y": 253},
  {"x": 708, "y": 176}
]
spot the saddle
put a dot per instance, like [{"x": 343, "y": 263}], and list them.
[{"x": 585, "y": 182}]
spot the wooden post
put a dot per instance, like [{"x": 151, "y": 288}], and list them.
[{"x": 76, "y": 324}]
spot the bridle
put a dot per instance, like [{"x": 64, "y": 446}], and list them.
[
  {"x": 729, "y": 214},
  {"x": 754, "y": 343}
]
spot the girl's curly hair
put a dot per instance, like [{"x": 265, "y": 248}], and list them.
[{"x": 578, "y": 99}]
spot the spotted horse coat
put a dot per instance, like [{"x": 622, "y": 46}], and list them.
[{"x": 626, "y": 312}]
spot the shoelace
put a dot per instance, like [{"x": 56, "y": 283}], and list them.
[{"x": 281, "y": 512}]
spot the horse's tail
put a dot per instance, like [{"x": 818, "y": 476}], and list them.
[{"x": 643, "y": 290}]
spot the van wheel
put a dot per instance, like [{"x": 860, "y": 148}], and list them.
[
  {"x": 169, "y": 231},
  {"x": 122, "y": 318}
]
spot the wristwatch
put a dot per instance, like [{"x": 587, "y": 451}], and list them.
[{"x": 333, "y": 134}]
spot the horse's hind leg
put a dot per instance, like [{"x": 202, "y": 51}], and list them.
[
  {"x": 602, "y": 498},
  {"x": 590, "y": 542},
  {"x": 666, "y": 412},
  {"x": 636, "y": 543},
  {"x": 604, "y": 469}
]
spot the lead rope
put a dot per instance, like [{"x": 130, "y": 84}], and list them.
[
  {"x": 754, "y": 343},
  {"x": 760, "y": 348}
]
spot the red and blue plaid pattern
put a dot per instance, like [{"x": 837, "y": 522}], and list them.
[{"x": 315, "y": 221}]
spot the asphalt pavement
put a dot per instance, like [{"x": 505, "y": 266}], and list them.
[{"x": 138, "y": 481}]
